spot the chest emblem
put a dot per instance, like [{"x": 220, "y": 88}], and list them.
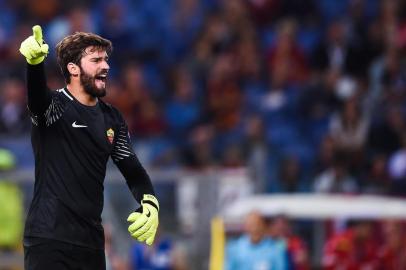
[{"x": 110, "y": 135}]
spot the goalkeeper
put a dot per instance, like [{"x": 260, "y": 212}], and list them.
[{"x": 73, "y": 135}]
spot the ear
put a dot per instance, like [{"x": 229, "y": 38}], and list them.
[{"x": 73, "y": 69}]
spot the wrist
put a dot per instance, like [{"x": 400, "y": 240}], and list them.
[
  {"x": 35, "y": 61},
  {"x": 150, "y": 199}
]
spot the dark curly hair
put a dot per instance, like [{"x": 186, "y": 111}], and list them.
[{"x": 72, "y": 47}]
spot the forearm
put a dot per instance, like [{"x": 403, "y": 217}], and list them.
[
  {"x": 38, "y": 93},
  {"x": 136, "y": 177}
]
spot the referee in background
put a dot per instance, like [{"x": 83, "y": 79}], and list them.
[{"x": 73, "y": 135}]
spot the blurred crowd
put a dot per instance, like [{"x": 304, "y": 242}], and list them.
[
  {"x": 359, "y": 244},
  {"x": 308, "y": 94}
]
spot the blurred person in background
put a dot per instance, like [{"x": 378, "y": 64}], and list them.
[
  {"x": 73, "y": 135},
  {"x": 385, "y": 136},
  {"x": 317, "y": 102},
  {"x": 354, "y": 248},
  {"x": 113, "y": 260},
  {"x": 291, "y": 175},
  {"x": 261, "y": 155},
  {"x": 325, "y": 155},
  {"x": 298, "y": 254},
  {"x": 131, "y": 90},
  {"x": 199, "y": 153},
  {"x": 287, "y": 53},
  {"x": 186, "y": 19},
  {"x": 149, "y": 121},
  {"x": 331, "y": 52},
  {"x": 77, "y": 18},
  {"x": 166, "y": 254},
  {"x": 224, "y": 95},
  {"x": 397, "y": 169},
  {"x": 182, "y": 110},
  {"x": 214, "y": 38},
  {"x": 392, "y": 255},
  {"x": 349, "y": 130},
  {"x": 11, "y": 207},
  {"x": 255, "y": 250},
  {"x": 13, "y": 115},
  {"x": 336, "y": 178},
  {"x": 232, "y": 157},
  {"x": 376, "y": 178}
]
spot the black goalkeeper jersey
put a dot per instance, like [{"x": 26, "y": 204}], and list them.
[{"x": 72, "y": 143}]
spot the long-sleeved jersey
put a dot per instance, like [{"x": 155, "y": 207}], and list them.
[{"x": 72, "y": 143}]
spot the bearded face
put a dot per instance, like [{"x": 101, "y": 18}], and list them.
[
  {"x": 93, "y": 71},
  {"x": 94, "y": 85}
]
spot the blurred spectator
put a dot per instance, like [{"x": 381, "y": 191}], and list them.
[
  {"x": 131, "y": 93},
  {"x": 163, "y": 255},
  {"x": 336, "y": 179},
  {"x": 113, "y": 260},
  {"x": 298, "y": 253},
  {"x": 290, "y": 175},
  {"x": 232, "y": 157},
  {"x": 344, "y": 49},
  {"x": 43, "y": 10},
  {"x": 281, "y": 95},
  {"x": 199, "y": 153},
  {"x": 264, "y": 11},
  {"x": 140, "y": 110},
  {"x": 13, "y": 111},
  {"x": 115, "y": 24},
  {"x": 77, "y": 18},
  {"x": 301, "y": 10},
  {"x": 397, "y": 169},
  {"x": 249, "y": 60},
  {"x": 182, "y": 110},
  {"x": 376, "y": 179},
  {"x": 11, "y": 207},
  {"x": 392, "y": 255},
  {"x": 187, "y": 17},
  {"x": 287, "y": 54},
  {"x": 215, "y": 38},
  {"x": 224, "y": 96},
  {"x": 386, "y": 136},
  {"x": 318, "y": 102},
  {"x": 352, "y": 249},
  {"x": 261, "y": 155},
  {"x": 149, "y": 121},
  {"x": 326, "y": 154},
  {"x": 349, "y": 128},
  {"x": 236, "y": 15},
  {"x": 254, "y": 250}
]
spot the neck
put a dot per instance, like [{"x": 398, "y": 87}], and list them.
[
  {"x": 255, "y": 240},
  {"x": 77, "y": 90}
]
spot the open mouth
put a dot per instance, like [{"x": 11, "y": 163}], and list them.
[{"x": 101, "y": 77}]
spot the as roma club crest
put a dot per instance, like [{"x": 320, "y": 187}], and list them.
[{"x": 110, "y": 135}]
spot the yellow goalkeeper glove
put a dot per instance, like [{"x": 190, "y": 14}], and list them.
[
  {"x": 33, "y": 48},
  {"x": 144, "y": 221}
]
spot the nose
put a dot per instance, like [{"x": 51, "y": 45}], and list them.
[{"x": 105, "y": 65}]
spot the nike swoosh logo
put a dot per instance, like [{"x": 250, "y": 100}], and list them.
[{"x": 77, "y": 126}]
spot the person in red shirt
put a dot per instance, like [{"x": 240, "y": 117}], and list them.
[
  {"x": 353, "y": 249},
  {"x": 392, "y": 256},
  {"x": 280, "y": 228}
]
